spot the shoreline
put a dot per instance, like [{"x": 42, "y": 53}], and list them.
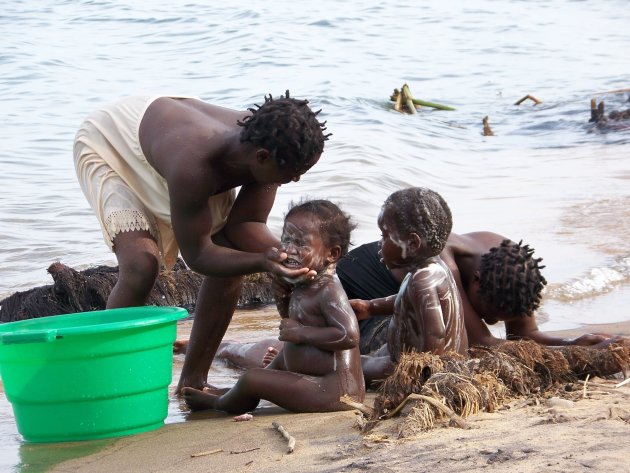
[
  {"x": 526, "y": 434},
  {"x": 524, "y": 437},
  {"x": 521, "y": 430},
  {"x": 617, "y": 328}
]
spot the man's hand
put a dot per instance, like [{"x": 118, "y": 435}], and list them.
[
  {"x": 596, "y": 340},
  {"x": 290, "y": 331},
  {"x": 361, "y": 308},
  {"x": 274, "y": 259}
]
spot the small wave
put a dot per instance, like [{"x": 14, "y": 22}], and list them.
[{"x": 595, "y": 282}]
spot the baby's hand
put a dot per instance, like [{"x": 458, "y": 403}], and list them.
[
  {"x": 290, "y": 331},
  {"x": 361, "y": 308}
]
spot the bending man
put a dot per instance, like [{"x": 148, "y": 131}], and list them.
[{"x": 160, "y": 173}]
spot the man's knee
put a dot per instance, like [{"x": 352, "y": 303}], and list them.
[
  {"x": 138, "y": 260},
  {"x": 141, "y": 270}
]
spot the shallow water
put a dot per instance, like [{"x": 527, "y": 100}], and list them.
[
  {"x": 24, "y": 457},
  {"x": 547, "y": 176}
]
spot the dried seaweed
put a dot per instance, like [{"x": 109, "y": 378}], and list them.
[
  {"x": 82, "y": 291},
  {"x": 436, "y": 389}
]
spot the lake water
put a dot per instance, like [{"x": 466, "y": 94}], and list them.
[{"x": 548, "y": 176}]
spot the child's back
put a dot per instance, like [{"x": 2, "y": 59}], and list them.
[
  {"x": 428, "y": 316},
  {"x": 428, "y": 313}
]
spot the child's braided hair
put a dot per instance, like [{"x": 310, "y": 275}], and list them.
[
  {"x": 422, "y": 211},
  {"x": 288, "y": 128},
  {"x": 510, "y": 278}
]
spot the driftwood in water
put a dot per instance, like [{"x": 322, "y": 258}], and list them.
[
  {"x": 598, "y": 113},
  {"x": 486, "y": 379},
  {"x": 83, "y": 291},
  {"x": 405, "y": 102},
  {"x": 487, "y": 131},
  {"x": 528, "y": 97}
]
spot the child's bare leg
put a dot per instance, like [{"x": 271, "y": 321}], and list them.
[
  {"x": 271, "y": 353},
  {"x": 292, "y": 391},
  {"x": 180, "y": 346},
  {"x": 236, "y": 400},
  {"x": 202, "y": 400},
  {"x": 377, "y": 366},
  {"x": 248, "y": 355}
]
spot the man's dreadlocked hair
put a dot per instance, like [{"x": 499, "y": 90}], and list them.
[
  {"x": 288, "y": 128},
  {"x": 422, "y": 211},
  {"x": 510, "y": 278},
  {"x": 335, "y": 226}
]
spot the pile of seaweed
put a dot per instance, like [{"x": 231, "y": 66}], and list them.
[
  {"x": 82, "y": 291},
  {"x": 426, "y": 390}
]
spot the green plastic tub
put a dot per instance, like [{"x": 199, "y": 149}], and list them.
[{"x": 90, "y": 375}]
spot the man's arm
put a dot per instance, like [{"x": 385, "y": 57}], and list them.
[
  {"x": 245, "y": 229},
  {"x": 246, "y": 226},
  {"x": 527, "y": 328}
]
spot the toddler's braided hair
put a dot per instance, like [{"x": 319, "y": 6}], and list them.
[
  {"x": 510, "y": 278},
  {"x": 422, "y": 211}
]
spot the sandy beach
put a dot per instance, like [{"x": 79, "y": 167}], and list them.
[{"x": 591, "y": 433}]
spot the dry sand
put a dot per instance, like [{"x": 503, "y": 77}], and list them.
[{"x": 592, "y": 434}]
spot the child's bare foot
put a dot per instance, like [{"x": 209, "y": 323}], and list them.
[
  {"x": 269, "y": 356},
  {"x": 199, "y": 400},
  {"x": 180, "y": 347},
  {"x": 215, "y": 391}
]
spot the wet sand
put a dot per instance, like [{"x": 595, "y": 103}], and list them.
[{"x": 593, "y": 434}]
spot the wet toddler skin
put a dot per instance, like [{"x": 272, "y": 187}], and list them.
[
  {"x": 428, "y": 310},
  {"x": 320, "y": 359}
]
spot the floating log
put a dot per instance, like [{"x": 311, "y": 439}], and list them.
[
  {"x": 82, "y": 291},
  {"x": 487, "y": 131},
  {"x": 407, "y": 99},
  {"x": 402, "y": 105},
  {"x": 617, "y": 91},
  {"x": 528, "y": 97},
  {"x": 598, "y": 113}
]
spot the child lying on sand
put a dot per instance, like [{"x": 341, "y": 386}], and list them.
[{"x": 320, "y": 360}]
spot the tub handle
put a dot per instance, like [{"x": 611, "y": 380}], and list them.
[{"x": 34, "y": 336}]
